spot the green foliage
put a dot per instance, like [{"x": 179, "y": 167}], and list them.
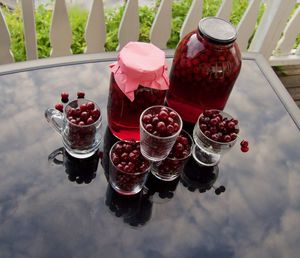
[
  {"x": 113, "y": 16},
  {"x": 15, "y": 26},
  {"x": 42, "y": 20},
  {"x": 78, "y": 18},
  {"x": 112, "y": 20},
  {"x": 297, "y": 43}
]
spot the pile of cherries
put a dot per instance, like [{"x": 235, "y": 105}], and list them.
[
  {"x": 182, "y": 147},
  {"x": 162, "y": 122},
  {"x": 130, "y": 164},
  {"x": 85, "y": 114},
  {"x": 80, "y": 135},
  {"x": 218, "y": 128}
]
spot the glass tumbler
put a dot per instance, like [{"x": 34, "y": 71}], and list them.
[
  {"x": 159, "y": 128},
  {"x": 211, "y": 142},
  {"x": 128, "y": 169},
  {"x": 172, "y": 166}
]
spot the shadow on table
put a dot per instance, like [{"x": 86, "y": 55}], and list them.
[
  {"x": 201, "y": 178},
  {"x": 135, "y": 210},
  {"x": 78, "y": 170}
]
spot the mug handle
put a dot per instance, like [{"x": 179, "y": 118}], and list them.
[
  {"x": 52, "y": 158},
  {"x": 55, "y": 119}
]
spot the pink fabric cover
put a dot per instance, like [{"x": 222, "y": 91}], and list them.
[{"x": 140, "y": 64}]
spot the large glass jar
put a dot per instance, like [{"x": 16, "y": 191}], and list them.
[
  {"x": 205, "y": 67},
  {"x": 138, "y": 80}
]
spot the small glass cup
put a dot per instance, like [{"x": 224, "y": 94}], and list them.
[
  {"x": 80, "y": 141},
  {"x": 206, "y": 151},
  {"x": 124, "y": 180},
  {"x": 155, "y": 147},
  {"x": 171, "y": 167}
]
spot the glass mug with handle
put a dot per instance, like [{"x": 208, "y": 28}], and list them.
[{"x": 79, "y": 125}]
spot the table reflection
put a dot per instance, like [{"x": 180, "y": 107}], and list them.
[
  {"x": 197, "y": 177},
  {"x": 135, "y": 210},
  {"x": 78, "y": 170}
]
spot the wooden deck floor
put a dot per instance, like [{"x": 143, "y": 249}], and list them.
[{"x": 290, "y": 78}]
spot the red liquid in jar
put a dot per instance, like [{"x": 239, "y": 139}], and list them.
[
  {"x": 123, "y": 115},
  {"x": 202, "y": 75}
]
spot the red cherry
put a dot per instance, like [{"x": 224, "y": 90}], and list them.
[
  {"x": 245, "y": 149},
  {"x": 90, "y": 121},
  {"x": 147, "y": 118},
  {"x": 73, "y": 121},
  {"x": 95, "y": 113},
  {"x": 179, "y": 147},
  {"x": 215, "y": 137},
  {"x": 83, "y": 107},
  {"x": 90, "y": 105},
  {"x": 59, "y": 107},
  {"x": 214, "y": 122},
  {"x": 244, "y": 143},
  {"x": 118, "y": 148},
  {"x": 231, "y": 124},
  {"x": 133, "y": 156},
  {"x": 155, "y": 120},
  {"x": 172, "y": 114},
  {"x": 80, "y": 94},
  {"x": 71, "y": 112},
  {"x": 115, "y": 158},
  {"x": 161, "y": 127},
  {"x": 227, "y": 138},
  {"x": 64, "y": 97},
  {"x": 163, "y": 115},
  {"x": 233, "y": 136},
  {"x": 170, "y": 129},
  {"x": 84, "y": 116},
  {"x": 124, "y": 156},
  {"x": 176, "y": 127},
  {"x": 149, "y": 128}
]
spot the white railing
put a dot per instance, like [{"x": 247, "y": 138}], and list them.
[{"x": 274, "y": 36}]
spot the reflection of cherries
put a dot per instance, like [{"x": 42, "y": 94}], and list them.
[
  {"x": 220, "y": 189},
  {"x": 218, "y": 128},
  {"x": 161, "y": 122}
]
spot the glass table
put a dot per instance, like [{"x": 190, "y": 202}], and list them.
[{"x": 52, "y": 205}]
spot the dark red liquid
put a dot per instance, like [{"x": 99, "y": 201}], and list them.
[
  {"x": 123, "y": 115},
  {"x": 202, "y": 76}
]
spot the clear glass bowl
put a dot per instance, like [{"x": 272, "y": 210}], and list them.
[{"x": 206, "y": 151}]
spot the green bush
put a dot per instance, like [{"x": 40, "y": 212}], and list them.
[{"x": 78, "y": 18}]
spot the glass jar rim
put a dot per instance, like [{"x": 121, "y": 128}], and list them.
[{"x": 217, "y": 30}]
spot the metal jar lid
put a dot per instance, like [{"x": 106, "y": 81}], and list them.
[{"x": 217, "y": 30}]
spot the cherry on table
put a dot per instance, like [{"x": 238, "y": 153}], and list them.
[
  {"x": 59, "y": 107},
  {"x": 64, "y": 97},
  {"x": 80, "y": 94}
]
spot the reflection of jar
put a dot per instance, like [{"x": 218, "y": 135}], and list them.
[
  {"x": 139, "y": 80},
  {"x": 205, "y": 67}
]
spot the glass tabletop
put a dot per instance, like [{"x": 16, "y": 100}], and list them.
[{"x": 52, "y": 205}]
